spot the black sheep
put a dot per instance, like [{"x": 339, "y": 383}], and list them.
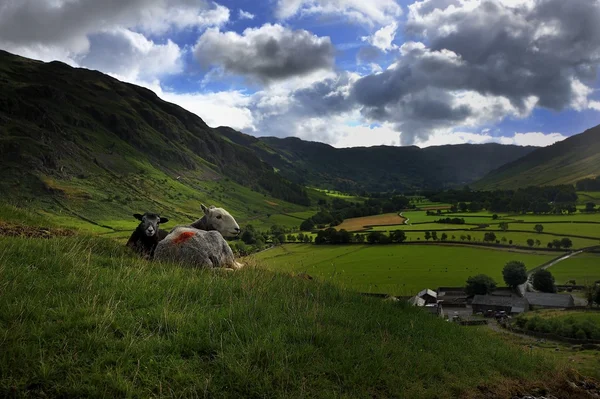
[{"x": 146, "y": 236}]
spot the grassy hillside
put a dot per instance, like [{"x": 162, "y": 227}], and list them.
[
  {"x": 78, "y": 142},
  {"x": 81, "y": 317},
  {"x": 565, "y": 162},
  {"x": 378, "y": 168}
]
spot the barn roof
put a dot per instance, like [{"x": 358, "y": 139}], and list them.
[
  {"x": 427, "y": 291},
  {"x": 497, "y": 300},
  {"x": 549, "y": 300}
]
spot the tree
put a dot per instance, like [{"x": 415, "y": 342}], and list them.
[
  {"x": 566, "y": 243},
  {"x": 360, "y": 238},
  {"x": 249, "y": 235},
  {"x": 468, "y": 237},
  {"x": 434, "y": 235},
  {"x": 427, "y": 235},
  {"x": 398, "y": 236},
  {"x": 444, "y": 236},
  {"x": 307, "y": 225},
  {"x": 281, "y": 238},
  {"x": 590, "y": 207},
  {"x": 489, "y": 237},
  {"x": 543, "y": 281},
  {"x": 503, "y": 226},
  {"x": 538, "y": 243},
  {"x": 463, "y": 237},
  {"x": 538, "y": 228},
  {"x": 530, "y": 242},
  {"x": 480, "y": 285},
  {"x": 495, "y": 217},
  {"x": 463, "y": 206},
  {"x": 514, "y": 273},
  {"x": 557, "y": 243},
  {"x": 291, "y": 238}
]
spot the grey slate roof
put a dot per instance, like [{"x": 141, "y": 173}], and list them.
[
  {"x": 497, "y": 300},
  {"x": 549, "y": 300},
  {"x": 427, "y": 291}
]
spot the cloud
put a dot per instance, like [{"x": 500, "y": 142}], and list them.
[
  {"x": 483, "y": 61},
  {"x": 371, "y": 13},
  {"x": 269, "y": 53},
  {"x": 110, "y": 35},
  {"x": 383, "y": 38},
  {"x": 245, "y": 15},
  {"x": 523, "y": 139},
  {"x": 131, "y": 55}
]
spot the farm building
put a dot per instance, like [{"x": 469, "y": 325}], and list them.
[
  {"x": 511, "y": 304},
  {"x": 540, "y": 300},
  {"x": 428, "y": 295}
]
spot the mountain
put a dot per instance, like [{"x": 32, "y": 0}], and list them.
[
  {"x": 380, "y": 168},
  {"x": 565, "y": 162},
  {"x": 85, "y": 139}
]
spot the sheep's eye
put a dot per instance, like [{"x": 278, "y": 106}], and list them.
[{"x": 219, "y": 217}]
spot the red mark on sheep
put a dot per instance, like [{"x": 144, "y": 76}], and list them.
[{"x": 183, "y": 237}]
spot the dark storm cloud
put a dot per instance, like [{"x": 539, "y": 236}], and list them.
[
  {"x": 268, "y": 53},
  {"x": 544, "y": 50}
]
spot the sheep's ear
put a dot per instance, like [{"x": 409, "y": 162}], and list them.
[
  {"x": 138, "y": 216},
  {"x": 211, "y": 207},
  {"x": 204, "y": 209},
  {"x": 164, "y": 220}
]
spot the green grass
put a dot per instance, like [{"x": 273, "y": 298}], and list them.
[
  {"x": 583, "y": 268},
  {"x": 566, "y": 229},
  {"x": 519, "y": 239},
  {"x": 425, "y": 226},
  {"x": 81, "y": 317},
  {"x": 393, "y": 269}
]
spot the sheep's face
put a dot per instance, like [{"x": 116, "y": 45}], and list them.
[
  {"x": 149, "y": 223},
  {"x": 220, "y": 220}
]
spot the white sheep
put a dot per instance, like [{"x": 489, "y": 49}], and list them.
[{"x": 202, "y": 244}]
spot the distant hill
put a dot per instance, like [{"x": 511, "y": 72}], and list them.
[
  {"x": 380, "y": 168},
  {"x": 85, "y": 139},
  {"x": 565, "y": 162}
]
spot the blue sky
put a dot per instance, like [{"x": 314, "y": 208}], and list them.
[{"x": 344, "y": 72}]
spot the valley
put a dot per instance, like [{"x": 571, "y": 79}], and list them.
[{"x": 81, "y": 315}]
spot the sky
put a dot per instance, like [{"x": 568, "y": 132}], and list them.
[{"x": 343, "y": 72}]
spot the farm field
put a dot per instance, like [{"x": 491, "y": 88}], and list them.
[
  {"x": 580, "y": 229},
  {"x": 423, "y": 227},
  {"x": 393, "y": 269},
  {"x": 577, "y": 217},
  {"x": 357, "y": 224},
  {"x": 519, "y": 239},
  {"x": 583, "y": 268}
]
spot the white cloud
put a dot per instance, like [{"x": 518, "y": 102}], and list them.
[
  {"x": 383, "y": 38},
  {"x": 245, "y": 15},
  {"x": 372, "y": 12},
  {"x": 445, "y": 137},
  {"x": 595, "y": 105},
  {"x": 132, "y": 56},
  {"x": 110, "y": 35},
  {"x": 533, "y": 138}
]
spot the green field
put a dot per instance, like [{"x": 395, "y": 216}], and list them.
[
  {"x": 519, "y": 239},
  {"x": 393, "y": 269},
  {"x": 566, "y": 229},
  {"x": 424, "y": 227},
  {"x": 583, "y": 268}
]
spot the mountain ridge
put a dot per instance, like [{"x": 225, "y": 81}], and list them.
[
  {"x": 564, "y": 162},
  {"x": 378, "y": 168}
]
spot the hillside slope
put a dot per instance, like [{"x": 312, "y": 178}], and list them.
[
  {"x": 380, "y": 168},
  {"x": 100, "y": 147},
  {"x": 114, "y": 325},
  {"x": 565, "y": 162}
]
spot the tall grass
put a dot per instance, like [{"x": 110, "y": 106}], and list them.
[{"x": 83, "y": 317}]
